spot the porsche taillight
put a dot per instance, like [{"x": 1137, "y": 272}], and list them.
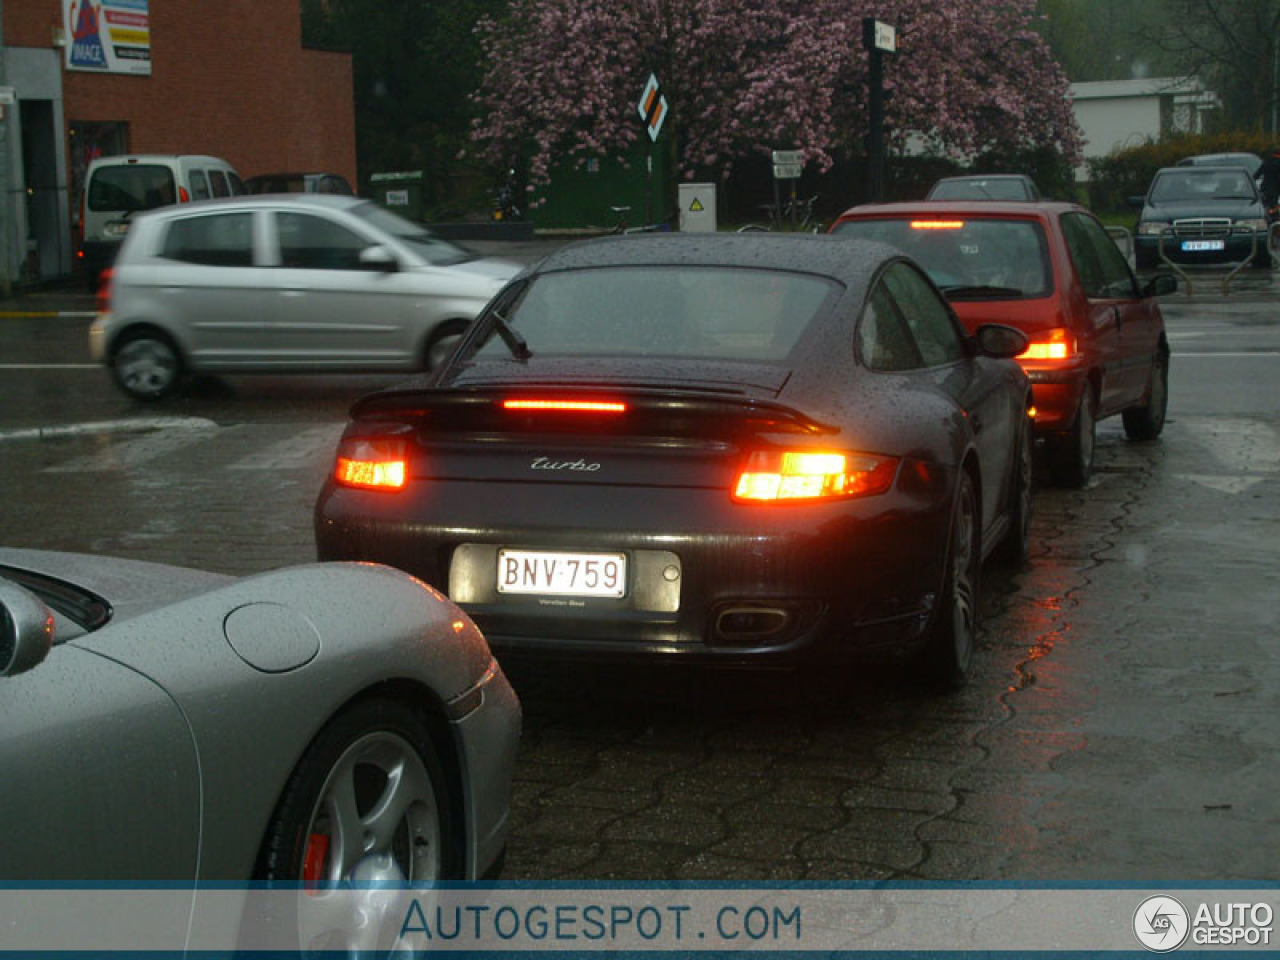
[
  {"x": 790, "y": 475},
  {"x": 1055, "y": 344},
  {"x": 372, "y": 463}
]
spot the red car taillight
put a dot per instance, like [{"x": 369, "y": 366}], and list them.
[
  {"x": 102, "y": 301},
  {"x": 372, "y": 464},
  {"x": 566, "y": 406},
  {"x": 1055, "y": 344},
  {"x": 773, "y": 475}
]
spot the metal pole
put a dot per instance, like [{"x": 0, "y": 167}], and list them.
[
  {"x": 875, "y": 113},
  {"x": 6, "y": 204}
]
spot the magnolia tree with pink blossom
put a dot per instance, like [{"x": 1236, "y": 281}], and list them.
[{"x": 564, "y": 77}]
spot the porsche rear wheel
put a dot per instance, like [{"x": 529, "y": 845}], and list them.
[
  {"x": 365, "y": 813},
  {"x": 1016, "y": 545},
  {"x": 949, "y": 646}
]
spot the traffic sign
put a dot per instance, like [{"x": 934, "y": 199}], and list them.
[
  {"x": 788, "y": 156},
  {"x": 787, "y": 171},
  {"x": 652, "y": 107}
]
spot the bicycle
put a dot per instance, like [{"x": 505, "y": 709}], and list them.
[
  {"x": 661, "y": 226},
  {"x": 795, "y": 214}
]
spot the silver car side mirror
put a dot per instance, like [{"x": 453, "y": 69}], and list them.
[
  {"x": 26, "y": 629},
  {"x": 378, "y": 257}
]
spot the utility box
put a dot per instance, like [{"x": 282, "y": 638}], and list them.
[
  {"x": 697, "y": 207},
  {"x": 399, "y": 192}
]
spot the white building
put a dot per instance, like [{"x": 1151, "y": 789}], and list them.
[{"x": 1124, "y": 113}]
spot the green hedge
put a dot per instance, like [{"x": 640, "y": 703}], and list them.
[{"x": 1128, "y": 172}]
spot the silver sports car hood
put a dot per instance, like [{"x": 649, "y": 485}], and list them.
[{"x": 131, "y": 587}]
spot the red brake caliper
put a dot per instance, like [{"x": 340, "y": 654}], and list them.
[{"x": 313, "y": 864}]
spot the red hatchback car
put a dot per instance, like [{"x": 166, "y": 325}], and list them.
[{"x": 1098, "y": 343}]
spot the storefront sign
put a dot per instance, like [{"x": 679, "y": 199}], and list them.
[{"x": 108, "y": 36}]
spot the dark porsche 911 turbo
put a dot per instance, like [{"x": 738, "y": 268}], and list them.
[{"x": 732, "y": 448}]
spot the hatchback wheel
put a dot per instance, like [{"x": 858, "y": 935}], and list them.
[
  {"x": 146, "y": 365},
  {"x": 1071, "y": 453},
  {"x": 1147, "y": 421},
  {"x": 365, "y": 814},
  {"x": 949, "y": 647}
]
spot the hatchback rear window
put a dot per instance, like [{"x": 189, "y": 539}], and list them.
[
  {"x": 715, "y": 312},
  {"x": 130, "y": 187},
  {"x": 969, "y": 256}
]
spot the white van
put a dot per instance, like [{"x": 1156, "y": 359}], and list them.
[{"x": 115, "y": 188}]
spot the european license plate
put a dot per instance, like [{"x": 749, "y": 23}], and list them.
[
  {"x": 562, "y": 573},
  {"x": 1190, "y": 246}
]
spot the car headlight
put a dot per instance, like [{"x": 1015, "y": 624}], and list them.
[
  {"x": 1253, "y": 223},
  {"x": 1152, "y": 228}
]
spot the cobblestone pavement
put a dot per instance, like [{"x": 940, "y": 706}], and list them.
[{"x": 1122, "y": 723}]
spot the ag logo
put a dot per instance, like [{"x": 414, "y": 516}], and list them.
[{"x": 1161, "y": 924}]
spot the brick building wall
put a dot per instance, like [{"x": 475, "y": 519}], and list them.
[{"x": 228, "y": 78}]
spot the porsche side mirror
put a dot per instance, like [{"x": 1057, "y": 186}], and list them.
[
  {"x": 998, "y": 340},
  {"x": 26, "y": 630},
  {"x": 1160, "y": 285}
]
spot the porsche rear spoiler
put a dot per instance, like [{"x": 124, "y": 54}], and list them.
[{"x": 608, "y": 407}]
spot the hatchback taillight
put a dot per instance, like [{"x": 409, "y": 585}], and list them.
[
  {"x": 1055, "y": 344},
  {"x": 372, "y": 463},
  {"x": 774, "y": 475}
]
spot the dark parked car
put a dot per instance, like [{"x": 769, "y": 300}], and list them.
[
  {"x": 995, "y": 186},
  {"x": 299, "y": 183},
  {"x": 1250, "y": 161},
  {"x": 735, "y": 448},
  {"x": 1201, "y": 215},
  {"x": 1098, "y": 344}
]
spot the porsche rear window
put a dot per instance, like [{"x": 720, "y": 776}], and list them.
[
  {"x": 1007, "y": 258},
  {"x": 715, "y": 312}
]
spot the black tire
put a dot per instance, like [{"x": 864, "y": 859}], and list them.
[
  {"x": 375, "y": 765},
  {"x": 1014, "y": 549},
  {"x": 953, "y": 629},
  {"x": 146, "y": 365},
  {"x": 1071, "y": 453},
  {"x": 441, "y": 343},
  {"x": 1147, "y": 421}
]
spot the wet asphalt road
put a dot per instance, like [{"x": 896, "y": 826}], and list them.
[{"x": 1123, "y": 722}]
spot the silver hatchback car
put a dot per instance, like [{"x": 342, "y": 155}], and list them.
[{"x": 303, "y": 283}]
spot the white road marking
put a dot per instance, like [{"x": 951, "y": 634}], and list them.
[
  {"x": 50, "y": 366},
  {"x": 301, "y": 450},
  {"x": 134, "y": 453},
  {"x": 109, "y": 426},
  {"x": 1233, "y": 485}
]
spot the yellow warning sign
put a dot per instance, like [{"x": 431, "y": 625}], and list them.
[{"x": 696, "y": 206}]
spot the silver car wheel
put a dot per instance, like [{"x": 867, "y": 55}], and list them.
[
  {"x": 440, "y": 348},
  {"x": 146, "y": 367},
  {"x": 376, "y": 827}
]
